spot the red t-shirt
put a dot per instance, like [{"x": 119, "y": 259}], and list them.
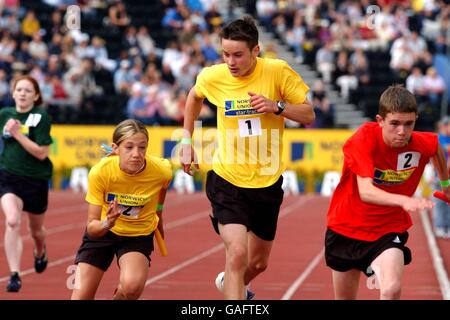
[{"x": 395, "y": 170}]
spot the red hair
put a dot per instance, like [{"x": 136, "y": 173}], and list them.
[{"x": 35, "y": 84}]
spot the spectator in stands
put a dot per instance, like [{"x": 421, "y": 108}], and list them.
[
  {"x": 187, "y": 34},
  {"x": 325, "y": 62},
  {"x": 295, "y": 37},
  {"x": 145, "y": 41},
  {"x": 4, "y": 89},
  {"x": 434, "y": 86},
  {"x": 245, "y": 197},
  {"x": 118, "y": 15},
  {"x": 38, "y": 49},
  {"x": 185, "y": 79},
  {"x": 57, "y": 25},
  {"x": 344, "y": 75},
  {"x": 118, "y": 226},
  {"x": 10, "y": 22},
  {"x": 81, "y": 49},
  {"x": 360, "y": 65},
  {"x": 402, "y": 60},
  {"x": 24, "y": 175},
  {"x": 415, "y": 85},
  {"x": 122, "y": 77},
  {"x": 136, "y": 106},
  {"x": 266, "y": 10},
  {"x": 7, "y": 49},
  {"x": 54, "y": 46},
  {"x": 208, "y": 51},
  {"x": 213, "y": 17},
  {"x": 98, "y": 52},
  {"x": 323, "y": 109},
  {"x": 73, "y": 87},
  {"x": 23, "y": 54},
  {"x": 30, "y": 24},
  {"x": 130, "y": 38},
  {"x": 174, "y": 17}
]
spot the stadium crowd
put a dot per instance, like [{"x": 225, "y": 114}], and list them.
[{"x": 130, "y": 59}]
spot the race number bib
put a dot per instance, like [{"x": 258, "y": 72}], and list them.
[
  {"x": 131, "y": 212},
  {"x": 249, "y": 127},
  {"x": 408, "y": 160}
]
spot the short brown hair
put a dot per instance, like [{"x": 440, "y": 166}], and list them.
[
  {"x": 127, "y": 128},
  {"x": 35, "y": 84},
  {"x": 397, "y": 99},
  {"x": 243, "y": 29}
]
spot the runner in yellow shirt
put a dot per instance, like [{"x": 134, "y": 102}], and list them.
[
  {"x": 252, "y": 96},
  {"x": 126, "y": 193}
]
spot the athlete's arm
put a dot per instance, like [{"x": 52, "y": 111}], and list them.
[
  {"x": 301, "y": 112},
  {"x": 371, "y": 194},
  {"x": 440, "y": 165},
  {"x": 191, "y": 112},
  {"x": 37, "y": 151},
  {"x": 96, "y": 227}
]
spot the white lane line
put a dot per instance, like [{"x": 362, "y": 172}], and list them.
[
  {"x": 438, "y": 262},
  {"x": 285, "y": 211},
  {"x": 64, "y": 227},
  {"x": 186, "y": 220},
  {"x": 299, "y": 281},
  {"x": 184, "y": 264},
  {"x": 50, "y": 265}
]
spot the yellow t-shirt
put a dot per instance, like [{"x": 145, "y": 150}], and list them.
[
  {"x": 250, "y": 143},
  {"x": 137, "y": 195}
]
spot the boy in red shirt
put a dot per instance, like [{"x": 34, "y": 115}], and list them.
[{"x": 369, "y": 217}]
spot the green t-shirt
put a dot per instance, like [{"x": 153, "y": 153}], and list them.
[{"x": 14, "y": 158}]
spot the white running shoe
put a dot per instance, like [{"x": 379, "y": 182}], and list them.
[{"x": 249, "y": 295}]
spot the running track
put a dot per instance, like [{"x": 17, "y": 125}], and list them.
[{"x": 296, "y": 271}]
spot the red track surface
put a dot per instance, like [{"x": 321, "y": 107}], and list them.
[{"x": 196, "y": 255}]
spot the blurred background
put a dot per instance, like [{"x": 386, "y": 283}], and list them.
[{"x": 99, "y": 62}]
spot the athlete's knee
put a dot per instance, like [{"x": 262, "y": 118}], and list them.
[
  {"x": 132, "y": 290},
  {"x": 391, "y": 291},
  {"x": 38, "y": 233},
  {"x": 237, "y": 256},
  {"x": 258, "y": 266},
  {"x": 13, "y": 222}
]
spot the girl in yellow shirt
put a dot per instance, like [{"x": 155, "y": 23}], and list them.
[{"x": 126, "y": 192}]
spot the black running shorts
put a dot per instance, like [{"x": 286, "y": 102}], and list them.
[
  {"x": 33, "y": 192},
  {"x": 343, "y": 253},
  {"x": 255, "y": 208},
  {"x": 100, "y": 251}
]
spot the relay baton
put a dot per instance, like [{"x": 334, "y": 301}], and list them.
[
  {"x": 161, "y": 243},
  {"x": 441, "y": 196}
]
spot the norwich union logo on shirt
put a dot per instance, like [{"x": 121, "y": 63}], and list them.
[
  {"x": 238, "y": 107},
  {"x": 390, "y": 177}
]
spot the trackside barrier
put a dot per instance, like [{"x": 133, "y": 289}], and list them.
[
  {"x": 79, "y": 179},
  {"x": 329, "y": 183},
  {"x": 290, "y": 183},
  {"x": 183, "y": 183}
]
